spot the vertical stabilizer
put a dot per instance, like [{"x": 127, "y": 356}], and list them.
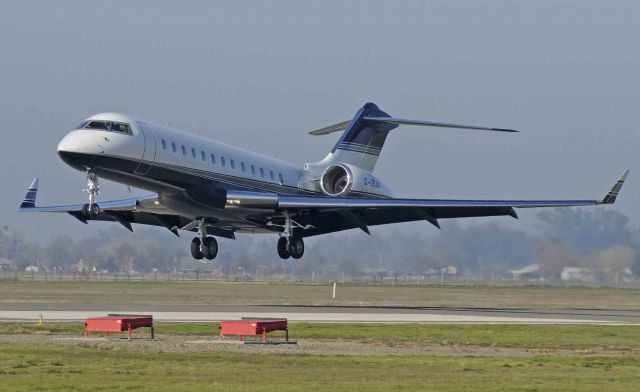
[{"x": 362, "y": 141}]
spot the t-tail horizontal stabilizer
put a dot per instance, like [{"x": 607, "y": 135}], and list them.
[
  {"x": 404, "y": 121},
  {"x": 611, "y": 197},
  {"x": 364, "y": 136}
]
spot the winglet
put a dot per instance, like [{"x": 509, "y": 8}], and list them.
[
  {"x": 610, "y": 198},
  {"x": 29, "y": 200}
]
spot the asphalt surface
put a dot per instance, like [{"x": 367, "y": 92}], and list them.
[{"x": 184, "y": 313}]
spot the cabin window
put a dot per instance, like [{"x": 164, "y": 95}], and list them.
[
  {"x": 253, "y": 170},
  {"x": 184, "y": 150},
  {"x": 204, "y": 156},
  {"x": 280, "y": 178},
  {"x": 213, "y": 159},
  {"x": 273, "y": 176},
  {"x": 193, "y": 153},
  {"x": 244, "y": 169},
  {"x": 233, "y": 164},
  {"x": 173, "y": 146},
  {"x": 262, "y": 172},
  {"x": 164, "y": 144},
  {"x": 222, "y": 161}
]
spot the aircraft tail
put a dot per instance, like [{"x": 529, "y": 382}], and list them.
[
  {"x": 364, "y": 136},
  {"x": 362, "y": 141}
]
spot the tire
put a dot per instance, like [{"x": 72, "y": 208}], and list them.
[
  {"x": 195, "y": 249},
  {"x": 91, "y": 211},
  {"x": 283, "y": 252},
  {"x": 210, "y": 248},
  {"x": 296, "y": 248}
]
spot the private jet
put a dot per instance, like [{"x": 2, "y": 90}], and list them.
[{"x": 217, "y": 190}]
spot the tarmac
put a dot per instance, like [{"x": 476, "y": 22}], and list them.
[{"x": 25, "y": 312}]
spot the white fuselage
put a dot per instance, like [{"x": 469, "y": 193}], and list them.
[
  {"x": 163, "y": 159},
  {"x": 153, "y": 145}
]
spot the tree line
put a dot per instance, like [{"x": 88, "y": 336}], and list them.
[{"x": 601, "y": 241}]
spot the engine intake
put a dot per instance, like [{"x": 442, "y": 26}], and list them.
[{"x": 336, "y": 180}]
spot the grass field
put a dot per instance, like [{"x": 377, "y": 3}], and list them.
[
  {"x": 31, "y": 365},
  {"x": 329, "y": 357},
  {"x": 613, "y": 337},
  {"x": 287, "y": 294}
]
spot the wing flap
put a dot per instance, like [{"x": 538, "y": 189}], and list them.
[{"x": 327, "y": 202}]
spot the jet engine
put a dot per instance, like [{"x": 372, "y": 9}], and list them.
[{"x": 344, "y": 179}]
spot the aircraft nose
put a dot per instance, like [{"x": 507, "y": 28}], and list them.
[
  {"x": 65, "y": 144},
  {"x": 72, "y": 151}
]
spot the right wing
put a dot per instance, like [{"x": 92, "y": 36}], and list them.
[{"x": 325, "y": 214}]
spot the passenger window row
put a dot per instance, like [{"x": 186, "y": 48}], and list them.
[{"x": 223, "y": 162}]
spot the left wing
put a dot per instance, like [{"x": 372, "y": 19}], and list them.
[{"x": 144, "y": 210}]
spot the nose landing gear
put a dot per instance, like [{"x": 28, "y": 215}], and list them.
[{"x": 92, "y": 209}]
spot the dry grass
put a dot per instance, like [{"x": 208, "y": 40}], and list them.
[{"x": 291, "y": 294}]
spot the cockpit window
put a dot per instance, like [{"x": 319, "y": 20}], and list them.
[
  {"x": 96, "y": 125},
  {"x": 110, "y": 126},
  {"x": 120, "y": 127}
]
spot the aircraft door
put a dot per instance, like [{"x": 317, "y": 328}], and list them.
[{"x": 149, "y": 153}]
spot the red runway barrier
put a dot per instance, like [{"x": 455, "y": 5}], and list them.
[
  {"x": 118, "y": 323},
  {"x": 253, "y": 327}
]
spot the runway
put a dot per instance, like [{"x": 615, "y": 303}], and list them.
[{"x": 23, "y": 312}]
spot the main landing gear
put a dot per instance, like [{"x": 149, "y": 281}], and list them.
[
  {"x": 203, "y": 246},
  {"x": 92, "y": 209},
  {"x": 290, "y": 245}
]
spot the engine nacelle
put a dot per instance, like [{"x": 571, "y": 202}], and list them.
[{"x": 344, "y": 179}]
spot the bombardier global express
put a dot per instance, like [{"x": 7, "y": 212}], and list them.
[{"x": 204, "y": 186}]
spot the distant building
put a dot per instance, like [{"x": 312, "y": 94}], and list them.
[
  {"x": 577, "y": 274},
  {"x": 443, "y": 269},
  {"x": 528, "y": 272},
  {"x": 82, "y": 267},
  {"x": 7, "y": 265}
]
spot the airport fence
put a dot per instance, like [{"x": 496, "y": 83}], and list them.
[{"x": 204, "y": 275}]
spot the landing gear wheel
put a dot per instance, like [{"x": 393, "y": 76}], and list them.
[
  {"x": 195, "y": 249},
  {"x": 296, "y": 247},
  {"x": 210, "y": 248},
  {"x": 91, "y": 211},
  {"x": 283, "y": 252}
]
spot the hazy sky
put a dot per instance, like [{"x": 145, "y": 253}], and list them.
[{"x": 262, "y": 74}]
